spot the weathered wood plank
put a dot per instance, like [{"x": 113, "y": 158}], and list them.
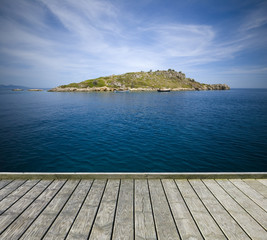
[
  {"x": 83, "y": 224},
  {"x": 258, "y": 186},
  {"x": 251, "y": 193},
  {"x": 263, "y": 181},
  {"x": 102, "y": 227},
  {"x": 250, "y": 226},
  {"x": 251, "y": 207},
  {"x": 228, "y": 225},
  {"x": 165, "y": 225},
  {"x": 62, "y": 224},
  {"x": 17, "y": 209},
  {"x": 133, "y": 209},
  {"x": 144, "y": 223},
  {"x": 10, "y": 188},
  {"x": 42, "y": 223},
  {"x": 3, "y": 183},
  {"x": 16, "y": 229},
  {"x": 123, "y": 225},
  {"x": 17, "y": 194},
  {"x": 184, "y": 221},
  {"x": 205, "y": 222}
]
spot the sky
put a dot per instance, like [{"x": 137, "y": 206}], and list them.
[{"x": 46, "y": 43}]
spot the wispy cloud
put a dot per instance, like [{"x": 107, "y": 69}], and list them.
[
  {"x": 90, "y": 38},
  {"x": 247, "y": 70},
  {"x": 256, "y": 18}
]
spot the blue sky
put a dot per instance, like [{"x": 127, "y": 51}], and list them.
[{"x": 47, "y": 43}]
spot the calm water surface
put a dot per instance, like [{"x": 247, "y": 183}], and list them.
[{"x": 134, "y": 132}]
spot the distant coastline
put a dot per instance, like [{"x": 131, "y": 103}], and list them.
[
  {"x": 140, "y": 81},
  {"x": 30, "y": 89}
]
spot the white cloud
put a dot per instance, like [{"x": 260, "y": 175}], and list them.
[
  {"x": 256, "y": 18},
  {"x": 94, "y": 40}
]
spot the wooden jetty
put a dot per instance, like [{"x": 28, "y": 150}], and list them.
[{"x": 133, "y": 206}]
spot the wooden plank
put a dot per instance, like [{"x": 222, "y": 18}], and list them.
[
  {"x": 251, "y": 207},
  {"x": 258, "y": 186},
  {"x": 184, "y": 221},
  {"x": 144, "y": 223},
  {"x": 250, "y": 226},
  {"x": 123, "y": 225},
  {"x": 3, "y": 183},
  {"x": 251, "y": 193},
  {"x": 263, "y": 181},
  {"x": 16, "y": 195},
  {"x": 42, "y": 223},
  {"x": 165, "y": 225},
  {"x": 228, "y": 225},
  {"x": 12, "y": 213},
  {"x": 16, "y": 229},
  {"x": 62, "y": 224},
  {"x": 102, "y": 227},
  {"x": 10, "y": 188},
  {"x": 205, "y": 222},
  {"x": 83, "y": 224}
]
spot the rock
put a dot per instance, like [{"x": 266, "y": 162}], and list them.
[{"x": 219, "y": 87}]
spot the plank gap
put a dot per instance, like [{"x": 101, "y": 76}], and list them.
[
  {"x": 152, "y": 209},
  {"x": 227, "y": 210},
  {"x": 170, "y": 209},
  {"x": 5, "y": 182},
  {"x": 115, "y": 212},
  {"x": 14, "y": 202},
  {"x": 17, "y": 216},
  {"x": 207, "y": 209},
  {"x": 189, "y": 210},
  {"x": 248, "y": 212},
  {"x": 253, "y": 198},
  {"x": 44, "y": 208}
]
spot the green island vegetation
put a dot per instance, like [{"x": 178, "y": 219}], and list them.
[{"x": 164, "y": 79}]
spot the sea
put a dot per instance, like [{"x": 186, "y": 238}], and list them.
[{"x": 187, "y": 131}]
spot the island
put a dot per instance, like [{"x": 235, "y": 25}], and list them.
[
  {"x": 17, "y": 89},
  {"x": 141, "y": 81},
  {"x": 35, "y": 90}
]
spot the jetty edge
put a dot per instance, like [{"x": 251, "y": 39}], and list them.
[
  {"x": 140, "y": 81},
  {"x": 133, "y": 175}
]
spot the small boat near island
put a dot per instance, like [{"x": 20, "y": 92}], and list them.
[{"x": 164, "y": 90}]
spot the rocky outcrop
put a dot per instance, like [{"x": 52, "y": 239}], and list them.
[
  {"x": 220, "y": 87},
  {"x": 35, "y": 90},
  {"x": 213, "y": 87},
  {"x": 17, "y": 89}
]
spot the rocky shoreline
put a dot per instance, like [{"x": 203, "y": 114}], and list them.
[
  {"x": 35, "y": 90},
  {"x": 109, "y": 89}
]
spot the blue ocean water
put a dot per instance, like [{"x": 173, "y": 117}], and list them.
[{"x": 199, "y": 131}]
